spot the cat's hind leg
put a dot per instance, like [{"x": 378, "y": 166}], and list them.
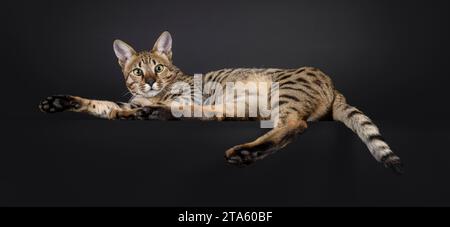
[{"x": 275, "y": 139}]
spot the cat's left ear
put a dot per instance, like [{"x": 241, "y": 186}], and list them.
[{"x": 164, "y": 45}]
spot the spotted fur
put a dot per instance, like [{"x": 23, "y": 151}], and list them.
[{"x": 305, "y": 94}]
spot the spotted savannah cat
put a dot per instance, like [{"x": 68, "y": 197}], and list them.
[{"x": 305, "y": 94}]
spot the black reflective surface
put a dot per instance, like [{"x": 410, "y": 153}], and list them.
[{"x": 389, "y": 58}]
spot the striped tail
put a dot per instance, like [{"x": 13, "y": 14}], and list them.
[{"x": 367, "y": 131}]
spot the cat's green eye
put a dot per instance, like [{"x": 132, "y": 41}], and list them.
[
  {"x": 159, "y": 68},
  {"x": 138, "y": 72}
]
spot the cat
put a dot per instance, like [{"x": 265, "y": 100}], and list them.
[{"x": 304, "y": 95}]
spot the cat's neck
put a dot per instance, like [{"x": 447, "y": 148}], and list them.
[{"x": 181, "y": 76}]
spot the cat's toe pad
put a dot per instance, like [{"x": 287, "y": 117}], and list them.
[
  {"x": 241, "y": 156},
  {"x": 58, "y": 103}
]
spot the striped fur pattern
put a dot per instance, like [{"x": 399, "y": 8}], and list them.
[{"x": 305, "y": 94}]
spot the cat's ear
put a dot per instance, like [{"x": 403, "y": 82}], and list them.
[
  {"x": 164, "y": 44},
  {"x": 123, "y": 51}
]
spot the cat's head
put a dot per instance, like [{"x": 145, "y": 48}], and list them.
[{"x": 147, "y": 73}]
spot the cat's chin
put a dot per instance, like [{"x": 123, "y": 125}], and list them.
[{"x": 151, "y": 93}]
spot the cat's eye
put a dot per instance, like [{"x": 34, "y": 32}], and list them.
[
  {"x": 159, "y": 68},
  {"x": 138, "y": 72}
]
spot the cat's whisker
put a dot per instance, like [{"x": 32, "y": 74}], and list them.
[{"x": 126, "y": 93}]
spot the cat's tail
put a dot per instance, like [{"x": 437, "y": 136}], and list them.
[{"x": 367, "y": 131}]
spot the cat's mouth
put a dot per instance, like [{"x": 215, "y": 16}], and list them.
[{"x": 151, "y": 90}]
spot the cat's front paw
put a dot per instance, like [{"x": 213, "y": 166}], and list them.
[
  {"x": 153, "y": 113},
  {"x": 58, "y": 103},
  {"x": 241, "y": 156}
]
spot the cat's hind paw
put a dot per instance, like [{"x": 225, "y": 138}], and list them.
[
  {"x": 240, "y": 156},
  {"x": 58, "y": 103}
]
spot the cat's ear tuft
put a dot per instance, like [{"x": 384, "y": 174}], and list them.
[
  {"x": 123, "y": 51},
  {"x": 164, "y": 44}
]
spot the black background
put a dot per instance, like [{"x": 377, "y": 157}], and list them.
[{"x": 390, "y": 59}]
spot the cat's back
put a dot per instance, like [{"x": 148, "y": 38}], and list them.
[
  {"x": 242, "y": 74},
  {"x": 310, "y": 74}
]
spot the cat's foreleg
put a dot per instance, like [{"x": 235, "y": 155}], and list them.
[
  {"x": 166, "y": 112},
  {"x": 98, "y": 108},
  {"x": 275, "y": 139}
]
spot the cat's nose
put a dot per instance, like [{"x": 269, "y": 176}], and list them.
[{"x": 150, "y": 81}]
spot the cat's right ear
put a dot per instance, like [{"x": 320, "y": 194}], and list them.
[{"x": 123, "y": 51}]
